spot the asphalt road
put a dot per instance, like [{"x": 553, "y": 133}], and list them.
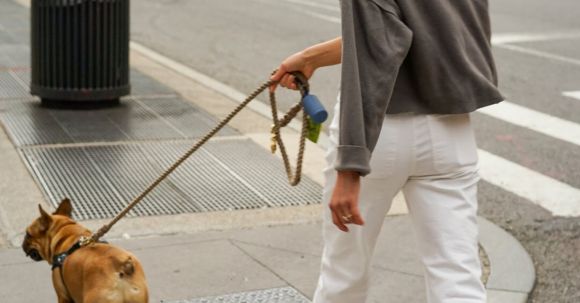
[{"x": 537, "y": 53}]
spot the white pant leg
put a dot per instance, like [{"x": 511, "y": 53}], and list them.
[
  {"x": 346, "y": 257},
  {"x": 442, "y": 200}
]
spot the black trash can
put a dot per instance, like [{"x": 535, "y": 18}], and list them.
[{"x": 80, "y": 50}]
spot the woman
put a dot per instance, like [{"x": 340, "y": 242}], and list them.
[{"x": 412, "y": 71}]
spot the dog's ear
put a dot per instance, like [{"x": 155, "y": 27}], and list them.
[
  {"x": 44, "y": 219},
  {"x": 64, "y": 208}
]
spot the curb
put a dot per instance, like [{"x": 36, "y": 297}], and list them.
[{"x": 513, "y": 275}]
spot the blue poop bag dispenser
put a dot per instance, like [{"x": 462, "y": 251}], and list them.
[
  {"x": 316, "y": 114},
  {"x": 314, "y": 109}
]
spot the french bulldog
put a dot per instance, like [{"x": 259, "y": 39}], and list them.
[{"x": 95, "y": 273}]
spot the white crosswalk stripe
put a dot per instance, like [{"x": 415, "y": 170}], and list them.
[
  {"x": 540, "y": 54},
  {"x": 506, "y": 38},
  {"x": 534, "y": 120},
  {"x": 333, "y": 8},
  {"x": 559, "y": 198},
  {"x": 573, "y": 94}
]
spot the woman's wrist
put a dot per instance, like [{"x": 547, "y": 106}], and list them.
[
  {"x": 311, "y": 57},
  {"x": 323, "y": 54}
]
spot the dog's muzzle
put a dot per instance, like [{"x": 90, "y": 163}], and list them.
[
  {"x": 30, "y": 252},
  {"x": 34, "y": 255}
]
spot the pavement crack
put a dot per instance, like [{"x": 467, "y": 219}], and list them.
[
  {"x": 233, "y": 242},
  {"x": 276, "y": 248}
]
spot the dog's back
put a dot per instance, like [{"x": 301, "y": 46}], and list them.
[
  {"x": 105, "y": 273},
  {"x": 134, "y": 290}
]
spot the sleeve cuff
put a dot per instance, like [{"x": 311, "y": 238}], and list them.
[{"x": 353, "y": 158}]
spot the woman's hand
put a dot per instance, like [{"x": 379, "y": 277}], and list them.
[
  {"x": 296, "y": 62},
  {"x": 344, "y": 201}
]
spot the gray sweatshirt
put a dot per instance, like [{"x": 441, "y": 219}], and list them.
[{"x": 410, "y": 56}]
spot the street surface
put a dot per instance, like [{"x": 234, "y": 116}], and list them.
[{"x": 530, "y": 147}]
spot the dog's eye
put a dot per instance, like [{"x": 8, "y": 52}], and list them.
[{"x": 27, "y": 236}]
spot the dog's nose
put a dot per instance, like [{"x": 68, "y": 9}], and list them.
[{"x": 34, "y": 255}]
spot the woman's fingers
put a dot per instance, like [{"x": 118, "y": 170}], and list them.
[
  {"x": 345, "y": 212},
  {"x": 338, "y": 221},
  {"x": 283, "y": 78},
  {"x": 276, "y": 77},
  {"x": 356, "y": 217},
  {"x": 350, "y": 214},
  {"x": 287, "y": 81}
]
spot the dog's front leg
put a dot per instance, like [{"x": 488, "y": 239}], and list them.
[
  {"x": 63, "y": 300},
  {"x": 59, "y": 288}
]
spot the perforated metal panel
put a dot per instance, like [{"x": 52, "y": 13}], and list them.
[
  {"x": 23, "y": 74},
  {"x": 11, "y": 86},
  {"x": 143, "y": 85},
  {"x": 28, "y": 123},
  {"x": 275, "y": 295},
  {"x": 15, "y": 77},
  {"x": 101, "y": 180},
  {"x": 248, "y": 162}
]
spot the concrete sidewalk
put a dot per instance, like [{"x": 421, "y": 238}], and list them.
[
  {"x": 270, "y": 254},
  {"x": 214, "y": 263}
]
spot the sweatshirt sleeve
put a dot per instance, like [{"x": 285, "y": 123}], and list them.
[{"x": 375, "y": 43}]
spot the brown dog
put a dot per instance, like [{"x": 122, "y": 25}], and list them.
[{"x": 98, "y": 272}]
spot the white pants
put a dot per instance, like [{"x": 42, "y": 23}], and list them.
[{"x": 433, "y": 159}]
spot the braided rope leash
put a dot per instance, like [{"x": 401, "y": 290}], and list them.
[{"x": 293, "y": 178}]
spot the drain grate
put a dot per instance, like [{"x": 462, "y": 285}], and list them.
[
  {"x": 11, "y": 86},
  {"x": 101, "y": 180},
  {"x": 23, "y": 74},
  {"x": 28, "y": 123},
  {"x": 274, "y": 295},
  {"x": 143, "y": 85},
  {"x": 15, "y": 55},
  {"x": 249, "y": 164},
  {"x": 14, "y": 61}
]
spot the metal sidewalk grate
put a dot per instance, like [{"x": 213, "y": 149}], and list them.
[
  {"x": 11, "y": 86},
  {"x": 101, "y": 180},
  {"x": 275, "y": 295},
  {"x": 143, "y": 85},
  {"x": 15, "y": 77},
  {"x": 28, "y": 123},
  {"x": 250, "y": 165}
]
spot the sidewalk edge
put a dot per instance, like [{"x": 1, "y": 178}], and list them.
[{"x": 512, "y": 270}]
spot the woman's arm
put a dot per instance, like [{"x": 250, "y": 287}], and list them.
[{"x": 307, "y": 61}]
